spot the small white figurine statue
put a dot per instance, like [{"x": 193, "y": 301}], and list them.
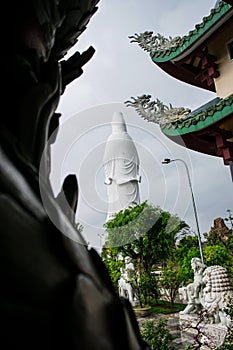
[{"x": 125, "y": 287}]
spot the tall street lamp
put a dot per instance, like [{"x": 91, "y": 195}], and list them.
[
  {"x": 101, "y": 236},
  {"x": 167, "y": 161}
]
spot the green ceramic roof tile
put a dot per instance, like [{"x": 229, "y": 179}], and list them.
[
  {"x": 202, "y": 117},
  {"x": 186, "y": 41}
]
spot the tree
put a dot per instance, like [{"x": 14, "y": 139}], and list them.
[
  {"x": 171, "y": 279},
  {"x": 220, "y": 233},
  {"x": 219, "y": 245},
  {"x": 216, "y": 255},
  {"x": 187, "y": 248},
  {"x": 145, "y": 285},
  {"x": 113, "y": 264},
  {"x": 217, "y": 250},
  {"x": 147, "y": 234}
]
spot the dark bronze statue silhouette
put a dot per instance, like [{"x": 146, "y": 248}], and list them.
[{"x": 54, "y": 292}]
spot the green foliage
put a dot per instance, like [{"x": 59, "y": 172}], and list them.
[
  {"x": 156, "y": 335},
  {"x": 217, "y": 248},
  {"x": 187, "y": 249},
  {"x": 165, "y": 307},
  {"x": 155, "y": 238},
  {"x": 216, "y": 255},
  {"x": 185, "y": 244},
  {"x": 171, "y": 278},
  {"x": 145, "y": 285},
  {"x": 113, "y": 265},
  {"x": 221, "y": 234},
  {"x": 148, "y": 235},
  {"x": 126, "y": 225},
  {"x": 145, "y": 233},
  {"x": 219, "y": 244}
]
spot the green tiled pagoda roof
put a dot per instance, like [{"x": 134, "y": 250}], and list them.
[
  {"x": 186, "y": 41},
  {"x": 210, "y": 113}
]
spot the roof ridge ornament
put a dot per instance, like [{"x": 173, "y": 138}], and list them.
[
  {"x": 153, "y": 43},
  {"x": 156, "y": 111}
]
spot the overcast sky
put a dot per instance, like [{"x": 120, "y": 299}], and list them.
[{"x": 117, "y": 71}]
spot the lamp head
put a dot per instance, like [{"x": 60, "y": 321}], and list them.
[{"x": 166, "y": 161}]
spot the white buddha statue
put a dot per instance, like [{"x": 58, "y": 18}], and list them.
[{"x": 121, "y": 165}]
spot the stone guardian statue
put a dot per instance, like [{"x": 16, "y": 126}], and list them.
[{"x": 208, "y": 291}]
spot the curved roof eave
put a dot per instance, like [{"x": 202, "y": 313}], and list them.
[
  {"x": 202, "y": 31},
  {"x": 204, "y": 118}
]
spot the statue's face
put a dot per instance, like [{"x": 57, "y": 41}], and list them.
[
  {"x": 194, "y": 262},
  {"x": 127, "y": 260}
]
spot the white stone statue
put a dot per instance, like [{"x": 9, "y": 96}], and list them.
[
  {"x": 208, "y": 292},
  {"x": 217, "y": 289},
  {"x": 124, "y": 284},
  {"x": 121, "y": 166},
  {"x": 192, "y": 292}
]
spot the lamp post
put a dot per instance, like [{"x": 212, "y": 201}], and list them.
[
  {"x": 167, "y": 161},
  {"x": 100, "y": 235}
]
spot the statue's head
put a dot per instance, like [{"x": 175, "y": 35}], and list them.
[
  {"x": 118, "y": 123},
  {"x": 127, "y": 259},
  {"x": 195, "y": 261}
]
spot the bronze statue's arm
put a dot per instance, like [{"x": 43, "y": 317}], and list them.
[{"x": 72, "y": 68}]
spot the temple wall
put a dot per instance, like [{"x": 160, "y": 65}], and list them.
[{"x": 218, "y": 48}]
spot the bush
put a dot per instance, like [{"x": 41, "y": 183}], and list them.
[{"x": 156, "y": 335}]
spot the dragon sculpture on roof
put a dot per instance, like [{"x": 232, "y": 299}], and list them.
[
  {"x": 153, "y": 43},
  {"x": 156, "y": 111}
]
